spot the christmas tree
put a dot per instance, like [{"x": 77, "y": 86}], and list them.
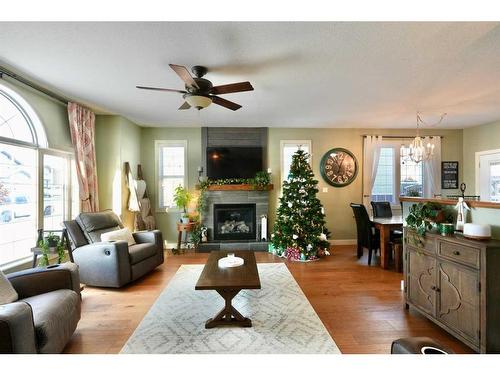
[{"x": 299, "y": 229}]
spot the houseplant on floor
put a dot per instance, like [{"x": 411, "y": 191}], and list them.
[{"x": 182, "y": 198}]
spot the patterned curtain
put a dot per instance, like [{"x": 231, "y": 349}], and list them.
[{"x": 82, "y": 127}]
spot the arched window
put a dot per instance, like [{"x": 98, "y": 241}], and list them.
[
  {"x": 18, "y": 121},
  {"x": 35, "y": 181}
]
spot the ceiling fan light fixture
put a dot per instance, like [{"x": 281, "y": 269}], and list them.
[{"x": 198, "y": 101}]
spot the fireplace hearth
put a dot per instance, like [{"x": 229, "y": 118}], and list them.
[{"x": 235, "y": 222}]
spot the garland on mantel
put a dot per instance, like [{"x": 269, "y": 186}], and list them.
[{"x": 260, "y": 180}]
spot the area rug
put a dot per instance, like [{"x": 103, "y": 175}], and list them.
[{"x": 282, "y": 317}]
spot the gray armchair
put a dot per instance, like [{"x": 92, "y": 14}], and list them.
[
  {"x": 111, "y": 264},
  {"x": 47, "y": 312}
]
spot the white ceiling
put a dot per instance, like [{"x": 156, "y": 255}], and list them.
[{"x": 330, "y": 74}]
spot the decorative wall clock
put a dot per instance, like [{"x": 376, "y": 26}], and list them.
[{"x": 339, "y": 167}]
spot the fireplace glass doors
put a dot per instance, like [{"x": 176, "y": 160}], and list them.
[{"x": 235, "y": 222}]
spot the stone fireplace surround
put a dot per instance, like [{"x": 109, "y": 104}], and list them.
[
  {"x": 242, "y": 137},
  {"x": 261, "y": 201}
]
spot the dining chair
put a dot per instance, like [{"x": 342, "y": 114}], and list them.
[
  {"x": 381, "y": 209},
  {"x": 368, "y": 236}
]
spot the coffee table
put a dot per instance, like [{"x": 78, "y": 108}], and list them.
[{"x": 228, "y": 282}]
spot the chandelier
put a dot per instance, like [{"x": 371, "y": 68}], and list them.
[{"x": 418, "y": 150}]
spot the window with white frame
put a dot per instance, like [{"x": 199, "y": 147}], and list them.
[
  {"x": 171, "y": 157},
  {"x": 384, "y": 188},
  {"x": 60, "y": 198},
  {"x": 396, "y": 174},
  {"x": 288, "y": 148},
  {"x": 35, "y": 182}
]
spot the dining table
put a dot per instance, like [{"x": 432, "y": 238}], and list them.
[{"x": 385, "y": 225}]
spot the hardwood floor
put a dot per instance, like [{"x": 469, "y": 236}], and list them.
[{"x": 361, "y": 306}]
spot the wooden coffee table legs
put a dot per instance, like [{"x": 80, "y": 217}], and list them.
[{"x": 228, "y": 315}]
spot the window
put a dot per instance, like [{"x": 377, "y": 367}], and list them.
[
  {"x": 384, "y": 188},
  {"x": 397, "y": 174},
  {"x": 288, "y": 148},
  {"x": 488, "y": 175},
  {"x": 18, "y": 201},
  {"x": 59, "y": 200},
  {"x": 411, "y": 176},
  {"x": 171, "y": 170},
  {"x": 35, "y": 183}
]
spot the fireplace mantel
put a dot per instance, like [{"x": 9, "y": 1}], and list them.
[{"x": 238, "y": 187}]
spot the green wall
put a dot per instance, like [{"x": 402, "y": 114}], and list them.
[
  {"x": 478, "y": 138},
  {"x": 166, "y": 221},
  {"x": 117, "y": 142},
  {"x": 52, "y": 114},
  {"x": 336, "y": 201}
]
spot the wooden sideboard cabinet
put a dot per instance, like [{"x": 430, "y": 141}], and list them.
[{"x": 455, "y": 282}]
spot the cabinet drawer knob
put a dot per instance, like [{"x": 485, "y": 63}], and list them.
[
  {"x": 456, "y": 252},
  {"x": 433, "y": 287}
]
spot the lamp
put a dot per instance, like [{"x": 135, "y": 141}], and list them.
[
  {"x": 418, "y": 150},
  {"x": 198, "y": 101}
]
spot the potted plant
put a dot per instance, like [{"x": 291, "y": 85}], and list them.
[
  {"x": 182, "y": 197},
  {"x": 423, "y": 217},
  {"x": 51, "y": 240}
]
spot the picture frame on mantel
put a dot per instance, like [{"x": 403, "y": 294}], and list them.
[{"x": 449, "y": 175}]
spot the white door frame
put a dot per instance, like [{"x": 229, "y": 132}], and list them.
[{"x": 477, "y": 160}]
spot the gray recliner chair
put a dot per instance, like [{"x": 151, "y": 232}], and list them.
[
  {"x": 46, "y": 313},
  {"x": 111, "y": 264}
]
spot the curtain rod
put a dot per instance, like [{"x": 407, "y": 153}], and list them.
[
  {"x": 401, "y": 136},
  {"x": 24, "y": 81}
]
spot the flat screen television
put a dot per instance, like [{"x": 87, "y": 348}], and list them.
[{"x": 233, "y": 162}]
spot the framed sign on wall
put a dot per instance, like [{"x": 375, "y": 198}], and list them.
[{"x": 449, "y": 175}]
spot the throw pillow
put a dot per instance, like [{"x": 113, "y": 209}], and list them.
[
  {"x": 7, "y": 292},
  {"x": 119, "y": 235}
]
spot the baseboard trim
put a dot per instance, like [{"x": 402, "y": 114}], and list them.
[
  {"x": 343, "y": 242},
  {"x": 170, "y": 245}
]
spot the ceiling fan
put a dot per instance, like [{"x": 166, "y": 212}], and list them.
[{"x": 200, "y": 92}]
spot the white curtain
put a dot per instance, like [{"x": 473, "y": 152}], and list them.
[
  {"x": 432, "y": 169},
  {"x": 371, "y": 155}
]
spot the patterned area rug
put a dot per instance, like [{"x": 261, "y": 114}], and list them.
[{"x": 282, "y": 317}]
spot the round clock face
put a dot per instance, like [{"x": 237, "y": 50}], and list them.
[{"x": 339, "y": 167}]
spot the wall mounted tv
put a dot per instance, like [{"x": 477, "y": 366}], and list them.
[{"x": 233, "y": 162}]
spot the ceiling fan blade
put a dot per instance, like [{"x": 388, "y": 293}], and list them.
[
  {"x": 185, "y": 106},
  {"x": 160, "y": 89},
  {"x": 225, "y": 103},
  {"x": 232, "y": 87},
  {"x": 184, "y": 74}
]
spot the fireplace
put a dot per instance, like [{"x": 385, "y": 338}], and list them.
[{"x": 235, "y": 222}]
